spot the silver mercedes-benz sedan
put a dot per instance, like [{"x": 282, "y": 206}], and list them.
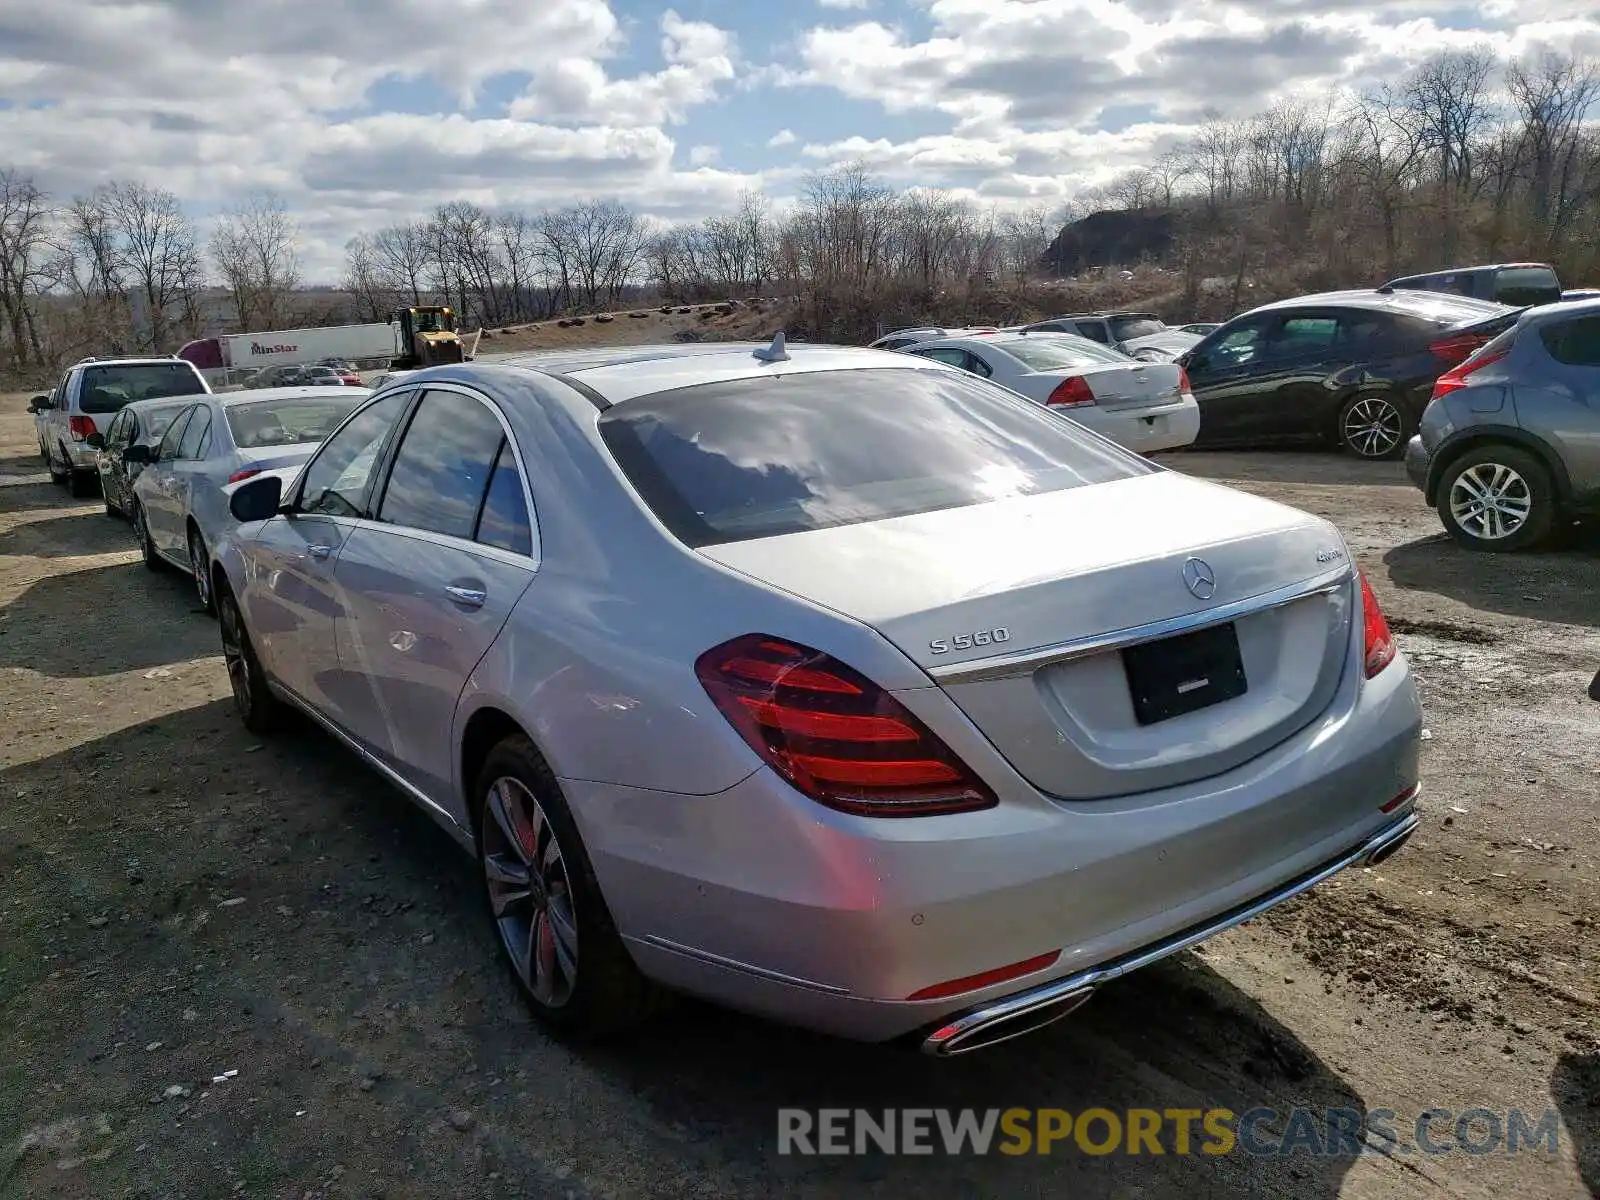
[{"x": 836, "y": 685}]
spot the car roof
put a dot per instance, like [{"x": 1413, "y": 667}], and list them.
[
  {"x": 132, "y": 360},
  {"x": 619, "y": 373},
  {"x": 310, "y": 390},
  {"x": 1106, "y": 312},
  {"x": 154, "y": 402},
  {"x": 1006, "y": 337},
  {"x": 1374, "y": 299},
  {"x": 1447, "y": 271}
]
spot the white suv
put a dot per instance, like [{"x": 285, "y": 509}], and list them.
[{"x": 88, "y": 396}]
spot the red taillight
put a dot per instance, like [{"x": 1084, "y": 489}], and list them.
[
  {"x": 81, "y": 427},
  {"x": 1456, "y": 348},
  {"x": 971, "y": 983},
  {"x": 835, "y": 735},
  {"x": 1072, "y": 392},
  {"x": 1457, "y": 378},
  {"x": 246, "y": 473},
  {"x": 1380, "y": 647},
  {"x": 1183, "y": 381}
]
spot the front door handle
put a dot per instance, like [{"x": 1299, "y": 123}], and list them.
[
  {"x": 471, "y": 597},
  {"x": 319, "y": 550}
]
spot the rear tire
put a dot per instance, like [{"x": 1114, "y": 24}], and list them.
[
  {"x": 59, "y": 478},
  {"x": 1497, "y": 497},
  {"x": 556, "y": 933},
  {"x": 81, "y": 484},
  {"x": 1374, "y": 427},
  {"x": 257, "y": 707}
]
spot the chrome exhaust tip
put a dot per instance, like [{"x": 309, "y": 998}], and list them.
[
  {"x": 1001, "y": 1022},
  {"x": 1388, "y": 849}
]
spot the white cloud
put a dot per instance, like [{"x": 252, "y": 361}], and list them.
[
  {"x": 844, "y": 3},
  {"x": 784, "y": 137},
  {"x": 703, "y": 156}
]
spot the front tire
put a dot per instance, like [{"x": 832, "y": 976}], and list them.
[
  {"x": 147, "y": 548},
  {"x": 544, "y": 902},
  {"x": 258, "y": 708},
  {"x": 1497, "y": 497},
  {"x": 1373, "y": 427}
]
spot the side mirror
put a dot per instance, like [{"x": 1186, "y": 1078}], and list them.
[
  {"x": 38, "y": 404},
  {"x": 95, "y": 441},
  {"x": 138, "y": 453},
  {"x": 257, "y": 500},
  {"x": 1594, "y": 687}
]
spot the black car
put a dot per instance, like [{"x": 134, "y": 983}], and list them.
[
  {"x": 1353, "y": 369},
  {"x": 141, "y": 421}
]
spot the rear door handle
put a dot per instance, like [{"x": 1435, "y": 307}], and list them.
[
  {"x": 471, "y": 597},
  {"x": 319, "y": 551}
]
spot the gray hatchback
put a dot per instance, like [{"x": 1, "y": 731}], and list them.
[{"x": 1510, "y": 441}]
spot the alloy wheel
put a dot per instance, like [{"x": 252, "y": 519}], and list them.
[
  {"x": 199, "y": 568},
  {"x": 233, "y": 655},
  {"x": 530, "y": 893},
  {"x": 1372, "y": 427},
  {"x": 1490, "y": 501}
]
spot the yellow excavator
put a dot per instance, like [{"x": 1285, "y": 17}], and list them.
[{"x": 426, "y": 337}]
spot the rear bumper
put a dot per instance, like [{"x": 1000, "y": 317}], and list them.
[
  {"x": 1417, "y": 461},
  {"x": 1012, "y": 1016},
  {"x": 758, "y": 899},
  {"x": 1145, "y": 431}
]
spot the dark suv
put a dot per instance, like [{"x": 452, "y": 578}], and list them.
[
  {"x": 1516, "y": 284},
  {"x": 1510, "y": 442},
  {"x": 1354, "y": 369}
]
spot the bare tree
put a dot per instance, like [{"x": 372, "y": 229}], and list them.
[
  {"x": 1552, "y": 93},
  {"x": 25, "y": 252},
  {"x": 254, "y": 249},
  {"x": 158, "y": 251}
]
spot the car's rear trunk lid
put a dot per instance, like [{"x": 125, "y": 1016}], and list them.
[
  {"x": 1134, "y": 384},
  {"x": 1064, "y": 625}
]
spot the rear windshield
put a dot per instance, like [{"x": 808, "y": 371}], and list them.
[
  {"x": 1527, "y": 285},
  {"x": 1444, "y": 311},
  {"x": 1123, "y": 328},
  {"x": 106, "y": 389},
  {"x": 752, "y": 458},
  {"x": 288, "y": 422},
  {"x": 1050, "y": 352}
]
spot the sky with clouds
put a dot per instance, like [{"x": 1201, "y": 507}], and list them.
[{"x": 364, "y": 112}]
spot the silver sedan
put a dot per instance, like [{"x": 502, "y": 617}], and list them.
[
  {"x": 179, "y": 506},
  {"x": 839, "y": 686}
]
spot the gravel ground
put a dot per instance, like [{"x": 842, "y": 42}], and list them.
[{"x": 231, "y": 967}]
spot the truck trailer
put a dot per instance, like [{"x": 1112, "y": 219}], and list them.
[{"x": 230, "y": 357}]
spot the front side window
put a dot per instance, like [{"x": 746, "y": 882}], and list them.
[
  {"x": 950, "y": 355},
  {"x": 335, "y": 481},
  {"x": 1240, "y": 345},
  {"x": 775, "y": 455},
  {"x": 442, "y": 468},
  {"x": 1126, "y": 328}
]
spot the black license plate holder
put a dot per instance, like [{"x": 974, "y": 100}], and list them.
[{"x": 1179, "y": 675}]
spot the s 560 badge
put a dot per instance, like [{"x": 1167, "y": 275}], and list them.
[{"x": 966, "y": 641}]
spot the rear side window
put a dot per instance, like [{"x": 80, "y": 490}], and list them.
[
  {"x": 753, "y": 458},
  {"x": 1575, "y": 342},
  {"x": 1047, "y": 352},
  {"x": 504, "y": 522},
  {"x": 196, "y": 435},
  {"x": 1305, "y": 334},
  {"x": 106, "y": 389},
  {"x": 441, "y": 471},
  {"x": 1092, "y": 329},
  {"x": 1519, "y": 286}
]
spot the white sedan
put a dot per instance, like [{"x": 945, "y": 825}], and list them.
[
  {"x": 1143, "y": 406},
  {"x": 180, "y": 502}
]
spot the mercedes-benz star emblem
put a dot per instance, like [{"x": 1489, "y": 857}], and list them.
[{"x": 1199, "y": 578}]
